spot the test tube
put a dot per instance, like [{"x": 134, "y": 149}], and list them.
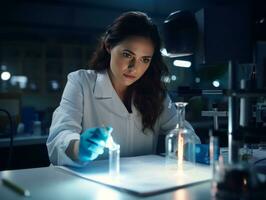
[
  {"x": 114, "y": 160},
  {"x": 214, "y": 152}
]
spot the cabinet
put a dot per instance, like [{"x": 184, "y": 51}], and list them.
[
  {"x": 45, "y": 65},
  {"x": 43, "y": 62}
]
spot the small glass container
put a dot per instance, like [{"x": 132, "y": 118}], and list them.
[
  {"x": 246, "y": 153},
  {"x": 114, "y": 157},
  {"x": 114, "y": 161},
  {"x": 37, "y": 128},
  {"x": 181, "y": 142},
  {"x": 214, "y": 153}
]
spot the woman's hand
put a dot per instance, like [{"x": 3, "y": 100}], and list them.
[{"x": 92, "y": 143}]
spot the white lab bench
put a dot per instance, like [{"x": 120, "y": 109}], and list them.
[{"x": 54, "y": 183}]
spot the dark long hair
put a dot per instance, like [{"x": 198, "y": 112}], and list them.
[{"x": 149, "y": 91}]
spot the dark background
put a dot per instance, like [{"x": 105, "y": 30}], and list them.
[{"x": 44, "y": 40}]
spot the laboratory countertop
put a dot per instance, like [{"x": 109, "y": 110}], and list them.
[
  {"x": 54, "y": 183},
  {"x": 24, "y": 140}
]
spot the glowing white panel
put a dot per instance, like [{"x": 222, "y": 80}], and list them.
[
  {"x": 5, "y": 76},
  {"x": 182, "y": 63}
]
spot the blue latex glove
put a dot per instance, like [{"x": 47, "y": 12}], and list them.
[{"x": 92, "y": 143}]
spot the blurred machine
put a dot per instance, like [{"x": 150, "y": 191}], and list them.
[
  {"x": 226, "y": 35},
  {"x": 223, "y": 34}
]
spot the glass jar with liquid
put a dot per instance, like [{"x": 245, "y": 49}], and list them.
[{"x": 181, "y": 142}]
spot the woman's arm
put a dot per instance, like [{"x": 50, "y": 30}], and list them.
[
  {"x": 72, "y": 150},
  {"x": 66, "y": 127}
]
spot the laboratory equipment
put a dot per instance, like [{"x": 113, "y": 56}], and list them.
[
  {"x": 114, "y": 157},
  {"x": 180, "y": 32},
  {"x": 237, "y": 181},
  {"x": 37, "y": 126},
  {"x": 244, "y": 123},
  {"x": 237, "y": 49},
  {"x": 214, "y": 152},
  {"x": 180, "y": 142}
]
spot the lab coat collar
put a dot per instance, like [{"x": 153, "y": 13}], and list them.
[
  {"x": 104, "y": 90},
  {"x": 103, "y": 86}
]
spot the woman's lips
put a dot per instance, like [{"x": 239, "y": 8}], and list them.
[{"x": 129, "y": 76}]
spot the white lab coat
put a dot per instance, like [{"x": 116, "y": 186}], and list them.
[{"x": 89, "y": 100}]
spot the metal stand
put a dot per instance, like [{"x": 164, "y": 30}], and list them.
[{"x": 232, "y": 113}]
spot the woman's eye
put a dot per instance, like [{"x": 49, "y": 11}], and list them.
[
  {"x": 126, "y": 55},
  {"x": 146, "y": 60}
]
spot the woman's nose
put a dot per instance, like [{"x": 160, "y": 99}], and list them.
[{"x": 132, "y": 63}]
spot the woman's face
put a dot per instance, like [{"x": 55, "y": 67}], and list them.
[{"x": 129, "y": 61}]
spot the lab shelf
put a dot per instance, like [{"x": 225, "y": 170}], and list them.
[{"x": 24, "y": 140}]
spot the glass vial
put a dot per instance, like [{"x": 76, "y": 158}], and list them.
[
  {"x": 114, "y": 160},
  {"x": 214, "y": 153}
]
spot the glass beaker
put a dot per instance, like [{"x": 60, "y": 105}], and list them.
[
  {"x": 114, "y": 157},
  {"x": 114, "y": 161},
  {"x": 181, "y": 142}
]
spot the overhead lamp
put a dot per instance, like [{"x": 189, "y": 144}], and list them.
[
  {"x": 180, "y": 34},
  {"x": 182, "y": 63},
  {"x": 5, "y": 75}
]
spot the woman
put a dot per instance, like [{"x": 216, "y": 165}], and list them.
[{"x": 122, "y": 89}]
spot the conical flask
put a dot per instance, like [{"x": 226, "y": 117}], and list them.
[{"x": 181, "y": 142}]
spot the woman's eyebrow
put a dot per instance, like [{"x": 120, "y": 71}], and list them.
[
  {"x": 135, "y": 54},
  {"x": 147, "y": 56},
  {"x": 129, "y": 51}
]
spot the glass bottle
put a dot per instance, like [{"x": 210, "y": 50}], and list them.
[{"x": 180, "y": 143}]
